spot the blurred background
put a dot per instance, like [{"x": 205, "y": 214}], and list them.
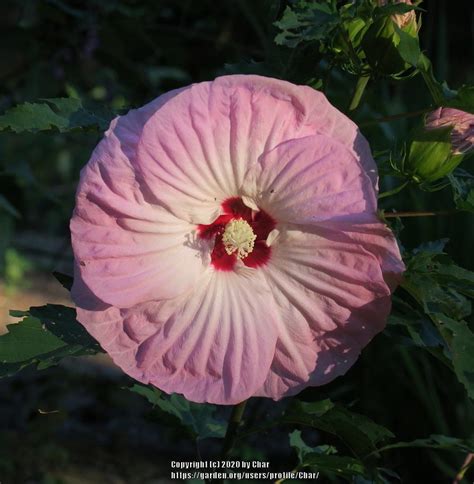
[{"x": 74, "y": 423}]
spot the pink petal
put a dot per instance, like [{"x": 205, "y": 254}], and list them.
[
  {"x": 129, "y": 249},
  {"x": 195, "y": 150},
  {"x": 333, "y": 299},
  {"x": 213, "y": 345},
  {"x": 378, "y": 239},
  {"x": 311, "y": 179}
]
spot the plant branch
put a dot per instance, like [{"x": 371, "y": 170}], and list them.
[
  {"x": 419, "y": 214},
  {"x": 359, "y": 91},
  {"x": 394, "y": 117},
  {"x": 232, "y": 427},
  {"x": 468, "y": 461},
  {"x": 394, "y": 191}
]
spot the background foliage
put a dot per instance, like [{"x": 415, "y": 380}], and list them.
[{"x": 67, "y": 68}]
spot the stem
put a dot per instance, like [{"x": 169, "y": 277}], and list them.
[
  {"x": 466, "y": 464},
  {"x": 232, "y": 427},
  {"x": 419, "y": 214},
  {"x": 359, "y": 90},
  {"x": 394, "y": 117},
  {"x": 394, "y": 191}
]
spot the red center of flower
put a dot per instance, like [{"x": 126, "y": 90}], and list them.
[{"x": 261, "y": 223}]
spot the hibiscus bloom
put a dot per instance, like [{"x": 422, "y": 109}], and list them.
[{"x": 227, "y": 243}]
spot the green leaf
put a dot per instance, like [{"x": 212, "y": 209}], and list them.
[
  {"x": 61, "y": 321},
  {"x": 439, "y": 285},
  {"x": 323, "y": 460},
  {"x": 437, "y": 91},
  {"x": 65, "y": 280},
  {"x": 438, "y": 442},
  {"x": 442, "y": 289},
  {"x": 395, "y": 9},
  {"x": 306, "y": 21},
  {"x": 461, "y": 343},
  {"x": 27, "y": 340},
  {"x": 297, "y": 443},
  {"x": 197, "y": 419},
  {"x": 358, "y": 432},
  {"x": 338, "y": 465},
  {"x": 463, "y": 190},
  {"x": 63, "y": 114},
  {"x": 45, "y": 336},
  {"x": 408, "y": 47},
  {"x": 463, "y": 100}
]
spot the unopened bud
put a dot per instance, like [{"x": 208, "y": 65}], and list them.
[
  {"x": 462, "y": 123},
  {"x": 403, "y": 20},
  {"x": 381, "y": 41},
  {"x": 430, "y": 155}
]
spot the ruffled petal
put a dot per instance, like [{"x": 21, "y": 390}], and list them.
[
  {"x": 195, "y": 150},
  {"x": 129, "y": 249},
  {"x": 333, "y": 299},
  {"x": 309, "y": 180},
  {"x": 376, "y": 238},
  {"x": 214, "y": 345}
]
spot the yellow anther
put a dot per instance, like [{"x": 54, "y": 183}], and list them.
[{"x": 238, "y": 237}]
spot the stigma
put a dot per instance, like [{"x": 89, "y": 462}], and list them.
[{"x": 238, "y": 237}]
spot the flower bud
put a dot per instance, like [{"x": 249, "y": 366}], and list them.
[
  {"x": 430, "y": 155},
  {"x": 381, "y": 41},
  {"x": 404, "y": 20},
  {"x": 462, "y": 123}
]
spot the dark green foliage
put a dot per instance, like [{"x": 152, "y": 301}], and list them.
[
  {"x": 462, "y": 184},
  {"x": 44, "y": 336},
  {"x": 360, "y": 434},
  {"x": 64, "y": 114},
  {"x": 197, "y": 420},
  {"x": 443, "y": 291}
]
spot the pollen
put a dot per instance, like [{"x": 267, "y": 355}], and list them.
[{"x": 238, "y": 237}]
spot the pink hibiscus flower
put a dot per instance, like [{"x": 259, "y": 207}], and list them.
[{"x": 227, "y": 243}]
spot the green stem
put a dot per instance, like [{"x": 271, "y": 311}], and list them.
[
  {"x": 419, "y": 214},
  {"x": 389, "y": 193},
  {"x": 468, "y": 462},
  {"x": 359, "y": 90},
  {"x": 395, "y": 117},
  {"x": 232, "y": 427}
]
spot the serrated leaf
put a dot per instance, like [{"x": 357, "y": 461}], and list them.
[
  {"x": 62, "y": 114},
  {"x": 61, "y": 321},
  {"x": 197, "y": 419},
  {"x": 438, "y": 442},
  {"x": 441, "y": 288},
  {"x": 461, "y": 343},
  {"x": 305, "y": 22},
  {"x": 302, "y": 449},
  {"x": 45, "y": 336},
  {"x": 463, "y": 191},
  {"x": 27, "y": 340},
  {"x": 358, "y": 432}
]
